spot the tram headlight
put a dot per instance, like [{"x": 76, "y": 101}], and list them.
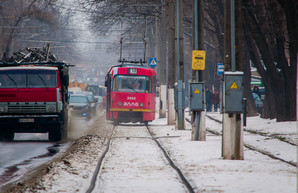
[
  {"x": 2, "y": 109},
  {"x": 120, "y": 104},
  {"x": 141, "y": 104}
]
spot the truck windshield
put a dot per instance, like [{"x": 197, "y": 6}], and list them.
[
  {"x": 123, "y": 83},
  {"x": 28, "y": 78}
]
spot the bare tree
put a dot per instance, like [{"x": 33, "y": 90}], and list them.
[
  {"x": 33, "y": 23},
  {"x": 134, "y": 21},
  {"x": 266, "y": 36}
]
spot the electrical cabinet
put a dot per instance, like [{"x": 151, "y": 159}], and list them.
[
  {"x": 233, "y": 92},
  {"x": 196, "y": 96}
]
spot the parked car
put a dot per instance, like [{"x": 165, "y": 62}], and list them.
[
  {"x": 80, "y": 106},
  {"x": 258, "y": 102}
]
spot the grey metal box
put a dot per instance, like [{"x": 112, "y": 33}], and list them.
[
  {"x": 233, "y": 92},
  {"x": 196, "y": 96}
]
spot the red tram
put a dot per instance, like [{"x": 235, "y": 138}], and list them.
[{"x": 131, "y": 93}]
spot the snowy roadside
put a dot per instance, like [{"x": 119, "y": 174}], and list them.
[
  {"x": 72, "y": 168},
  {"x": 207, "y": 170}
]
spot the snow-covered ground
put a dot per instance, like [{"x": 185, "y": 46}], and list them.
[{"x": 200, "y": 161}]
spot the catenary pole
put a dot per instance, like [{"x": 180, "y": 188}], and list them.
[
  {"x": 198, "y": 117},
  {"x": 171, "y": 62},
  {"x": 180, "y": 65},
  {"x": 232, "y": 143},
  {"x": 162, "y": 64}
]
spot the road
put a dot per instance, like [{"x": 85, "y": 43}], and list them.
[{"x": 30, "y": 150}]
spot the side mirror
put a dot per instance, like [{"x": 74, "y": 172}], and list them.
[{"x": 66, "y": 80}]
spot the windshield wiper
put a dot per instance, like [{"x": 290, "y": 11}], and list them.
[
  {"x": 43, "y": 82},
  {"x": 12, "y": 80},
  {"x": 131, "y": 88}
]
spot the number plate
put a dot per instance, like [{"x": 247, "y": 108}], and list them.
[{"x": 31, "y": 120}]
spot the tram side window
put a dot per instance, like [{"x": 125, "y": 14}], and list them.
[
  {"x": 115, "y": 83},
  {"x": 148, "y": 84},
  {"x": 154, "y": 84}
]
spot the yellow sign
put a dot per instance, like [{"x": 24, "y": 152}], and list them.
[
  {"x": 196, "y": 91},
  {"x": 234, "y": 86},
  {"x": 198, "y": 59}
]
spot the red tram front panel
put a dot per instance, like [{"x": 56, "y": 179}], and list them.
[{"x": 131, "y": 93}]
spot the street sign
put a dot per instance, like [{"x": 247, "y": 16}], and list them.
[
  {"x": 152, "y": 62},
  {"x": 220, "y": 68},
  {"x": 198, "y": 60}
]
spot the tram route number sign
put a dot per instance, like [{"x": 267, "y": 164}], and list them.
[{"x": 198, "y": 59}]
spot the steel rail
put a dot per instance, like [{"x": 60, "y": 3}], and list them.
[
  {"x": 273, "y": 136},
  {"x": 179, "y": 172},
  {"x": 253, "y": 148},
  {"x": 99, "y": 163}
]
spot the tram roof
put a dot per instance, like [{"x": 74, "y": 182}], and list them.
[{"x": 139, "y": 66}]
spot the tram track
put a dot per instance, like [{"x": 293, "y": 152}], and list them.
[
  {"x": 100, "y": 163},
  {"x": 179, "y": 172},
  {"x": 254, "y": 148},
  {"x": 273, "y": 136}
]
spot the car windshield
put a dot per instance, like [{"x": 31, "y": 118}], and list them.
[
  {"x": 78, "y": 99},
  {"x": 28, "y": 78},
  {"x": 124, "y": 83}
]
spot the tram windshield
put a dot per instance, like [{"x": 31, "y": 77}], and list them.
[{"x": 125, "y": 83}]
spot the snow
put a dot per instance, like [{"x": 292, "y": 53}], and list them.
[{"x": 136, "y": 167}]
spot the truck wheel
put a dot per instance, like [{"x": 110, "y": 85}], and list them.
[
  {"x": 66, "y": 125},
  {"x": 55, "y": 133}
]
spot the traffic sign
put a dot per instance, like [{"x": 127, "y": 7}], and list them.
[
  {"x": 220, "y": 68},
  {"x": 152, "y": 62}
]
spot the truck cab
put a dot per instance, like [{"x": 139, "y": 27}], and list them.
[{"x": 33, "y": 99}]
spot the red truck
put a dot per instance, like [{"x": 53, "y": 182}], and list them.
[{"x": 34, "y": 99}]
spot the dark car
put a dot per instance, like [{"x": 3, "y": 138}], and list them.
[
  {"x": 258, "y": 102},
  {"x": 80, "y": 105},
  {"x": 93, "y": 101}
]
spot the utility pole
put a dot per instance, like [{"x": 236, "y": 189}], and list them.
[
  {"x": 171, "y": 62},
  {"x": 197, "y": 87},
  {"x": 297, "y": 114},
  {"x": 232, "y": 142},
  {"x": 1, "y": 29},
  {"x": 162, "y": 63},
  {"x": 180, "y": 100}
]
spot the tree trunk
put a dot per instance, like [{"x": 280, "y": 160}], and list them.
[
  {"x": 251, "y": 106},
  {"x": 275, "y": 88},
  {"x": 290, "y": 8}
]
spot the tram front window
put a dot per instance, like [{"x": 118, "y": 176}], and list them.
[{"x": 141, "y": 84}]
